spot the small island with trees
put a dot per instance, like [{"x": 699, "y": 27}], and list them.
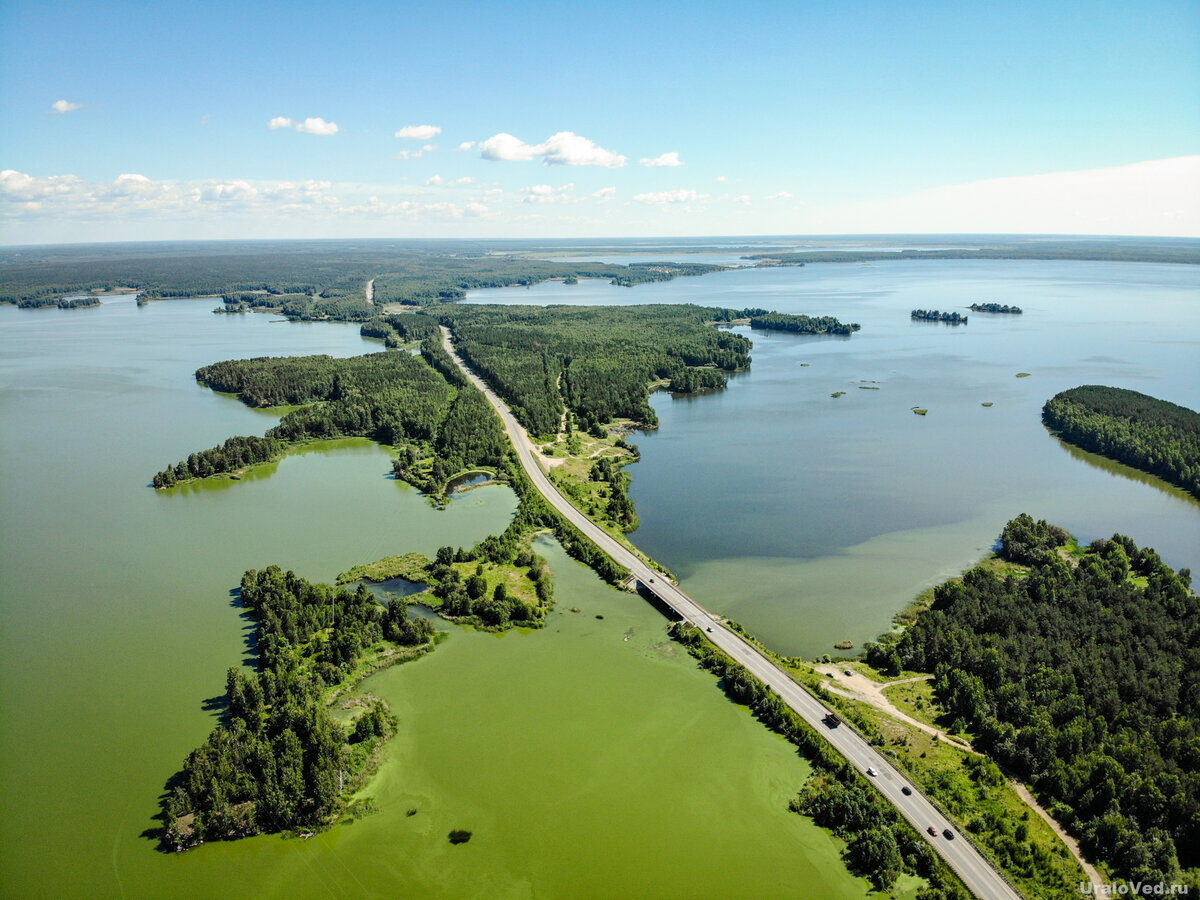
[
  {"x": 1153, "y": 435},
  {"x": 934, "y": 315},
  {"x": 996, "y": 308}
]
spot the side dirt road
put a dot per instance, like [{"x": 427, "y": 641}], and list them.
[{"x": 857, "y": 686}]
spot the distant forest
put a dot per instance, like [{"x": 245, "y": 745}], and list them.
[
  {"x": 307, "y": 279},
  {"x": 1081, "y": 673},
  {"x": 1160, "y": 250},
  {"x": 1149, "y": 434},
  {"x": 333, "y": 274}
]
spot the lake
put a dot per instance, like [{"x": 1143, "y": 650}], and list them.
[
  {"x": 589, "y": 758},
  {"x": 812, "y": 519}
]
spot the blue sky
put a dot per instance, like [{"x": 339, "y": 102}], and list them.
[{"x": 153, "y": 120}]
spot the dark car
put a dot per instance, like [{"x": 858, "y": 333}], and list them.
[
  {"x": 906, "y": 791},
  {"x": 948, "y": 834},
  {"x": 932, "y": 830}
]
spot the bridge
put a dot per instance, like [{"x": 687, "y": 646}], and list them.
[{"x": 960, "y": 854}]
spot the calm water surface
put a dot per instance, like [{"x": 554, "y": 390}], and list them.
[
  {"x": 589, "y": 758},
  {"x": 812, "y": 519}
]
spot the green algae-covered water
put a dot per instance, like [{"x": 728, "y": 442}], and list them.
[{"x": 585, "y": 764}]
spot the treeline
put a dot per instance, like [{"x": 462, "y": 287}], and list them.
[
  {"x": 439, "y": 427},
  {"x": 620, "y": 509},
  {"x": 1083, "y": 678},
  {"x": 44, "y": 300},
  {"x": 236, "y": 453},
  {"x": 596, "y": 361},
  {"x": 279, "y": 761},
  {"x": 801, "y": 324},
  {"x": 332, "y": 274},
  {"x": 1152, "y": 435},
  {"x": 450, "y": 279},
  {"x": 880, "y": 845},
  {"x": 996, "y": 308},
  {"x": 934, "y": 315}
]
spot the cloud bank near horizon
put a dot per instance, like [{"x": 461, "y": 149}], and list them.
[{"x": 1155, "y": 197}]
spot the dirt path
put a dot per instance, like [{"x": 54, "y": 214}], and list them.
[
  {"x": 857, "y": 686},
  {"x": 371, "y": 291}
]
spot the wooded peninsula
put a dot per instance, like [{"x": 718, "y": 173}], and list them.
[
  {"x": 1078, "y": 670},
  {"x": 1152, "y": 435}
]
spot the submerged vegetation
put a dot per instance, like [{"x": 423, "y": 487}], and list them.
[
  {"x": 1077, "y": 669},
  {"x": 1149, "y": 434}
]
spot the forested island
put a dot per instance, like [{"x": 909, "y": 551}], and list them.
[
  {"x": 934, "y": 315},
  {"x": 1152, "y": 435},
  {"x": 279, "y": 760},
  {"x": 996, "y": 308},
  {"x": 761, "y": 319},
  {"x": 1078, "y": 669}
]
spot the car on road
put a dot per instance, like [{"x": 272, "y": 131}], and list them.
[
  {"x": 710, "y": 629},
  {"x": 847, "y": 671},
  {"x": 932, "y": 830},
  {"x": 871, "y": 772},
  {"x": 906, "y": 791},
  {"x": 948, "y": 834}
]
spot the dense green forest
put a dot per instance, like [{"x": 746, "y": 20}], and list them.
[
  {"x": 934, "y": 315},
  {"x": 1080, "y": 672},
  {"x": 279, "y": 760},
  {"x": 234, "y": 455},
  {"x": 773, "y": 321},
  {"x": 1149, "y": 434},
  {"x": 996, "y": 308},
  {"x": 438, "y": 426},
  {"x": 597, "y": 361}
]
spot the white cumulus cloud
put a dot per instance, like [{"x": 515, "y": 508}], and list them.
[
  {"x": 562, "y": 149},
  {"x": 743, "y": 199},
  {"x": 466, "y": 145},
  {"x": 280, "y": 122},
  {"x": 65, "y": 106},
  {"x": 605, "y": 194},
  {"x": 667, "y": 160},
  {"x": 419, "y": 132},
  {"x": 782, "y": 195},
  {"x": 317, "y": 125},
  {"x": 659, "y": 198}
]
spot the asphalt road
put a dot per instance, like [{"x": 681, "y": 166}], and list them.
[{"x": 975, "y": 871}]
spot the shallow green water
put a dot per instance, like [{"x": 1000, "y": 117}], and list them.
[{"x": 585, "y": 764}]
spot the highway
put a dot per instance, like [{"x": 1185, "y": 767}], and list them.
[{"x": 961, "y": 855}]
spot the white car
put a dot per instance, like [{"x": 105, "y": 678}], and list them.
[{"x": 872, "y": 772}]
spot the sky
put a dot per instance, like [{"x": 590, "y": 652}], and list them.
[{"x": 167, "y": 120}]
